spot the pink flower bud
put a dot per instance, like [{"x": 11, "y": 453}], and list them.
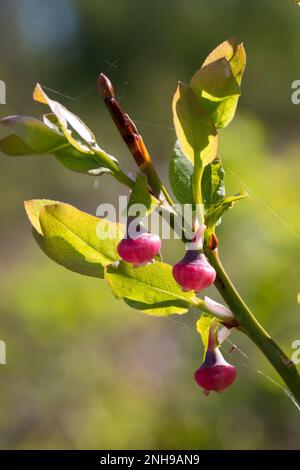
[
  {"x": 139, "y": 250},
  {"x": 215, "y": 374},
  {"x": 194, "y": 272}
]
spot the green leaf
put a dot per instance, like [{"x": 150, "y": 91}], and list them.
[
  {"x": 71, "y": 237},
  {"x": 96, "y": 164},
  {"x": 203, "y": 326},
  {"x": 73, "y": 128},
  {"x": 62, "y": 134},
  {"x": 140, "y": 196},
  {"x": 34, "y": 135},
  {"x": 71, "y": 157},
  {"x": 73, "y": 160},
  {"x": 213, "y": 189},
  {"x": 215, "y": 212},
  {"x": 151, "y": 289},
  {"x": 194, "y": 128},
  {"x": 180, "y": 176},
  {"x": 217, "y": 82},
  {"x": 33, "y": 208},
  {"x": 52, "y": 122},
  {"x": 13, "y": 146}
]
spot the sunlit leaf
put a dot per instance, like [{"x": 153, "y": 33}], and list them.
[
  {"x": 13, "y": 146},
  {"x": 180, "y": 176},
  {"x": 33, "y": 137},
  {"x": 194, "y": 128},
  {"x": 151, "y": 289},
  {"x": 233, "y": 53},
  {"x": 33, "y": 208},
  {"x": 34, "y": 134},
  {"x": 213, "y": 189},
  {"x": 203, "y": 326},
  {"x": 71, "y": 237},
  {"x": 74, "y": 129},
  {"x": 217, "y": 82},
  {"x": 215, "y": 212},
  {"x": 181, "y": 173},
  {"x": 71, "y": 157},
  {"x": 51, "y": 121},
  {"x": 74, "y": 160}
]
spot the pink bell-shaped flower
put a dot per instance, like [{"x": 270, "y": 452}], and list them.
[
  {"x": 215, "y": 374},
  {"x": 194, "y": 272},
  {"x": 140, "y": 248}
]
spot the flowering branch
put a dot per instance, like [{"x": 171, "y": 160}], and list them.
[{"x": 128, "y": 258}]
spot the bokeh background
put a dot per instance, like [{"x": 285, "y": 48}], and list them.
[{"x": 83, "y": 370}]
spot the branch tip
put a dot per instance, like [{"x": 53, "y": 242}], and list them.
[{"x": 105, "y": 87}]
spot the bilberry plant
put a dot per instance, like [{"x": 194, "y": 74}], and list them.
[{"x": 131, "y": 262}]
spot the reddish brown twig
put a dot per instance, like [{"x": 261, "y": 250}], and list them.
[{"x": 131, "y": 137}]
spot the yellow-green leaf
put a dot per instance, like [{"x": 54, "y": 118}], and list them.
[
  {"x": 203, "y": 326},
  {"x": 74, "y": 129},
  {"x": 213, "y": 189},
  {"x": 34, "y": 135},
  {"x": 13, "y": 146},
  {"x": 195, "y": 130},
  {"x": 151, "y": 289},
  {"x": 180, "y": 176},
  {"x": 215, "y": 211},
  {"x": 33, "y": 208},
  {"x": 217, "y": 82},
  {"x": 72, "y": 237}
]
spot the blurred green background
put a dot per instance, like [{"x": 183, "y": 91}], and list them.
[{"x": 83, "y": 370}]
